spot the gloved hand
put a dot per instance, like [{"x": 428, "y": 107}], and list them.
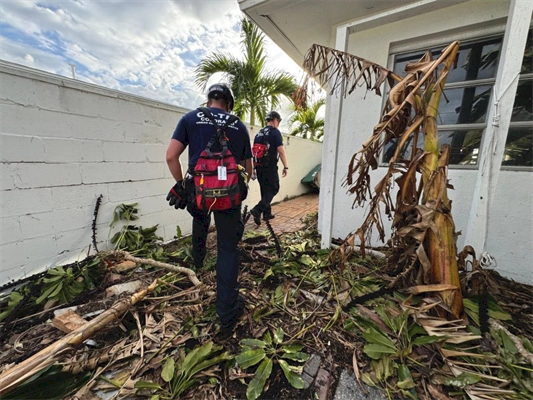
[{"x": 177, "y": 196}]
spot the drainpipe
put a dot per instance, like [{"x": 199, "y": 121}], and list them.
[
  {"x": 499, "y": 116},
  {"x": 330, "y": 151}
]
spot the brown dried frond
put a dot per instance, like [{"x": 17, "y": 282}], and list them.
[
  {"x": 300, "y": 96},
  {"x": 403, "y": 120},
  {"x": 343, "y": 71}
]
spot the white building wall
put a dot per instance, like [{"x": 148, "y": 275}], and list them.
[
  {"x": 510, "y": 230},
  {"x": 64, "y": 142}
]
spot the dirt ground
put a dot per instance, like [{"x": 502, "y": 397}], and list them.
[{"x": 176, "y": 317}]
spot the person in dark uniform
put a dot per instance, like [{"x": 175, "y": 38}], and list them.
[
  {"x": 194, "y": 130},
  {"x": 268, "y": 176}
]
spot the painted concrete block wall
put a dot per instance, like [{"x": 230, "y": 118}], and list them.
[
  {"x": 64, "y": 143},
  {"x": 302, "y": 155},
  {"x": 508, "y": 241}
]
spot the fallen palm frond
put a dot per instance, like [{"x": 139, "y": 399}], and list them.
[{"x": 13, "y": 376}]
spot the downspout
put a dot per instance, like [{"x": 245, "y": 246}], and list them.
[
  {"x": 330, "y": 152},
  {"x": 499, "y": 116}
]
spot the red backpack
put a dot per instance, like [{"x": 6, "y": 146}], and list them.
[
  {"x": 216, "y": 175},
  {"x": 260, "y": 149}
]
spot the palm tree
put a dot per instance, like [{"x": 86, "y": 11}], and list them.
[
  {"x": 307, "y": 122},
  {"x": 256, "y": 89}
]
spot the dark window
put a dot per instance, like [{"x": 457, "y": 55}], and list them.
[
  {"x": 518, "y": 147},
  {"x": 477, "y": 60},
  {"x": 465, "y": 144},
  {"x": 464, "y": 105},
  {"x": 519, "y": 144}
]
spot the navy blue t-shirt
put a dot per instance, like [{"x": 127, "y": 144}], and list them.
[
  {"x": 274, "y": 141},
  {"x": 195, "y": 130}
]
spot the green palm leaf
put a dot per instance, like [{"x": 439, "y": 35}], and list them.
[
  {"x": 255, "y": 89},
  {"x": 306, "y": 123}
]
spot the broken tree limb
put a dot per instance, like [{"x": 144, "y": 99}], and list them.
[
  {"x": 11, "y": 378},
  {"x": 187, "y": 271}
]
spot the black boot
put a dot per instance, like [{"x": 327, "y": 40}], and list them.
[
  {"x": 227, "y": 330},
  {"x": 256, "y": 214}
]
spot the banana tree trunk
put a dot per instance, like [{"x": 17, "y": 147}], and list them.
[{"x": 440, "y": 242}]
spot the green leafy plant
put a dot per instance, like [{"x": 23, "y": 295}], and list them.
[
  {"x": 136, "y": 240},
  {"x": 391, "y": 351},
  {"x": 184, "y": 251},
  {"x": 493, "y": 309},
  {"x": 179, "y": 234},
  {"x": 180, "y": 375},
  {"x": 14, "y": 299},
  {"x": 512, "y": 365},
  {"x": 252, "y": 234},
  {"x": 64, "y": 285},
  {"x": 266, "y": 352}
]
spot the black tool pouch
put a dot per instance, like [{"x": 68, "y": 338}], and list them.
[
  {"x": 243, "y": 187},
  {"x": 189, "y": 189}
]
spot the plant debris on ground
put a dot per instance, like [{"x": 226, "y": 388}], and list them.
[{"x": 302, "y": 303}]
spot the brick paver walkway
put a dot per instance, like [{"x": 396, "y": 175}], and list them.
[{"x": 288, "y": 214}]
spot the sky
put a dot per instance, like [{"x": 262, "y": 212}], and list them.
[{"x": 145, "y": 47}]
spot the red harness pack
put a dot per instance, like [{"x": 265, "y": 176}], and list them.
[
  {"x": 260, "y": 148},
  {"x": 216, "y": 174}
]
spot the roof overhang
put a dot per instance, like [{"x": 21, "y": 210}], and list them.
[{"x": 295, "y": 25}]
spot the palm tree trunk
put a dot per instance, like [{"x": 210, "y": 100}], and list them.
[{"x": 252, "y": 116}]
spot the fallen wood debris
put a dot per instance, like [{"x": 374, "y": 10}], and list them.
[{"x": 13, "y": 376}]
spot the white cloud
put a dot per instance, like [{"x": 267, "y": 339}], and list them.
[
  {"x": 148, "y": 48},
  {"x": 29, "y": 59}
]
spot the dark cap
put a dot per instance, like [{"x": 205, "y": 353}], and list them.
[
  {"x": 221, "y": 90},
  {"x": 273, "y": 115}
]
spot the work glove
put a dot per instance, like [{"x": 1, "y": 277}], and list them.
[{"x": 177, "y": 196}]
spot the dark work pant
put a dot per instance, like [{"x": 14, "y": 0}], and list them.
[
  {"x": 268, "y": 179},
  {"x": 229, "y": 232}
]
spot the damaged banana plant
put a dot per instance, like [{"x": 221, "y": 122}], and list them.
[{"x": 423, "y": 244}]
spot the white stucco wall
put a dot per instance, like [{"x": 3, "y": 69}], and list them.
[
  {"x": 65, "y": 142},
  {"x": 510, "y": 229}
]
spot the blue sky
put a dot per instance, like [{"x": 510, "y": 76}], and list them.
[{"x": 145, "y": 47}]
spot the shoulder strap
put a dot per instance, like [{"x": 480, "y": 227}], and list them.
[
  {"x": 265, "y": 131},
  {"x": 220, "y": 133}
]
